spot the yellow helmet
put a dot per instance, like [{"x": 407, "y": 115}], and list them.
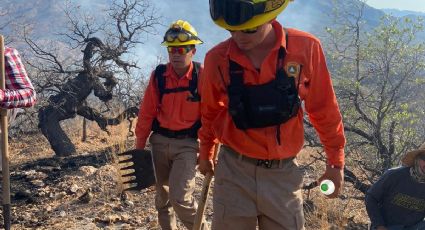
[
  {"x": 245, "y": 14},
  {"x": 181, "y": 33}
]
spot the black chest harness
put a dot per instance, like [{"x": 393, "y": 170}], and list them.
[
  {"x": 193, "y": 97},
  {"x": 264, "y": 105}
]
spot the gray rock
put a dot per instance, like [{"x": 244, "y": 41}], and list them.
[{"x": 87, "y": 170}]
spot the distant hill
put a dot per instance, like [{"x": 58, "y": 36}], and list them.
[
  {"x": 403, "y": 13},
  {"x": 318, "y": 14},
  {"x": 39, "y": 11},
  {"x": 308, "y": 15},
  {"x": 46, "y": 16},
  {"x": 414, "y": 15}
]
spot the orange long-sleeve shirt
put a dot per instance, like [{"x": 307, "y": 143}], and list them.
[
  {"x": 175, "y": 112},
  {"x": 315, "y": 89}
]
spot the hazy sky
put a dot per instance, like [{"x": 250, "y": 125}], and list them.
[{"x": 414, "y": 5}]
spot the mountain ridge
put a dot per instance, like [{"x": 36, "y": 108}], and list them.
[{"x": 309, "y": 15}]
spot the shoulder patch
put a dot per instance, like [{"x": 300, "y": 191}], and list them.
[{"x": 292, "y": 69}]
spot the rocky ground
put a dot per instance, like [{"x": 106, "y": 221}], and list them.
[
  {"x": 85, "y": 192},
  {"x": 80, "y": 192}
]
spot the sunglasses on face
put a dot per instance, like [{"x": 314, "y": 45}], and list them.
[
  {"x": 179, "y": 34},
  {"x": 422, "y": 157},
  {"x": 179, "y": 49},
  {"x": 247, "y": 31}
]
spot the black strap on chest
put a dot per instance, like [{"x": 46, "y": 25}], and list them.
[
  {"x": 192, "y": 88},
  {"x": 191, "y": 132},
  {"x": 263, "y": 105}
]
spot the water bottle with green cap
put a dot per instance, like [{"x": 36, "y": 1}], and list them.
[{"x": 327, "y": 187}]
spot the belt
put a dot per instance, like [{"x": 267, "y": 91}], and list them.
[
  {"x": 269, "y": 164},
  {"x": 191, "y": 132},
  {"x": 174, "y": 134}
]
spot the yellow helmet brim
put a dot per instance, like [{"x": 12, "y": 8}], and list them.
[
  {"x": 253, "y": 22},
  {"x": 179, "y": 43}
]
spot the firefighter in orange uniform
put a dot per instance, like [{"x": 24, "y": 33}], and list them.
[
  {"x": 171, "y": 109},
  {"x": 254, "y": 83}
]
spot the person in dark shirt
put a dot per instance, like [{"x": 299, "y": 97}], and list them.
[{"x": 397, "y": 200}]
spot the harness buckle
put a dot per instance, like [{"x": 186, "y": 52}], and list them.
[{"x": 265, "y": 163}]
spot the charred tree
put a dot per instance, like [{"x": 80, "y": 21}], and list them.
[
  {"x": 95, "y": 73},
  {"x": 70, "y": 101}
]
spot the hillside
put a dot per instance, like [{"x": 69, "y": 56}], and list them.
[
  {"x": 303, "y": 13},
  {"x": 318, "y": 14},
  {"x": 403, "y": 13},
  {"x": 48, "y": 19}
]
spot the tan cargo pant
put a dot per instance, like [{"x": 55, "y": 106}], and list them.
[
  {"x": 175, "y": 162},
  {"x": 11, "y": 115},
  {"x": 246, "y": 194}
]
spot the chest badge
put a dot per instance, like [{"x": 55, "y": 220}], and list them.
[{"x": 293, "y": 69}]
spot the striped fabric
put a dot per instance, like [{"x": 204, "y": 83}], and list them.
[{"x": 19, "y": 90}]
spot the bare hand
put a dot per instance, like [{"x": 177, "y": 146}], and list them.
[
  {"x": 381, "y": 228},
  {"x": 206, "y": 166},
  {"x": 336, "y": 176}
]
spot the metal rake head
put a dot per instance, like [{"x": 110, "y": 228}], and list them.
[{"x": 136, "y": 169}]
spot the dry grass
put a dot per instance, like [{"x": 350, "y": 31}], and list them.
[
  {"x": 33, "y": 147},
  {"x": 346, "y": 212}
]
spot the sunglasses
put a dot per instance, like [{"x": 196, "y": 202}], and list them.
[
  {"x": 180, "y": 34},
  {"x": 179, "y": 49},
  {"x": 247, "y": 31},
  {"x": 422, "y": 157}
]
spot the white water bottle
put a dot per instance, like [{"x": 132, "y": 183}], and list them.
[{"x": 327, "y": 187}]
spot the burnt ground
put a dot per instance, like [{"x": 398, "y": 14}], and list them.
[{"x": 85, "y": 192}]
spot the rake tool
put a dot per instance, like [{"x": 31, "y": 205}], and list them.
[{"x": 136, "y": 169}]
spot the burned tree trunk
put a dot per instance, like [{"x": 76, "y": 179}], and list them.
[
  {"x": 84, "y": 136},
  {"x": 63, "y": 106}
]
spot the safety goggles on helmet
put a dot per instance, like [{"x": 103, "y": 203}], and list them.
[
  {"x": 179, "y": 49},
  {"x": 237, "y": 12},
  {"x": 180, "y": 34}
]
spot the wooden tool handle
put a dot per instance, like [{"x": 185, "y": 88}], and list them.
[
  {"x": 4, "y": 145},
  {"x": 204, "y": 195}
]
